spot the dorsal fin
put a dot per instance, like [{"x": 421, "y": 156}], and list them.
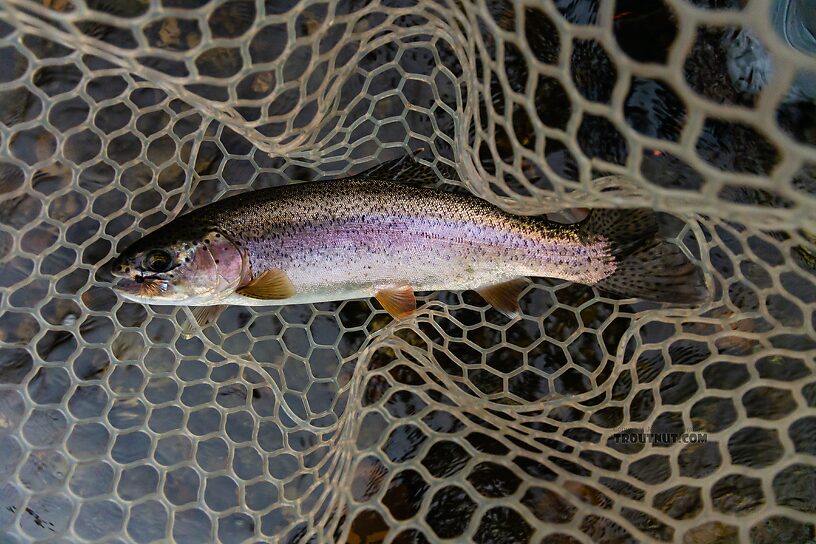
[{"x": 407, "y": 169}]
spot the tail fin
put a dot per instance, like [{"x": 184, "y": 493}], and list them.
[{"x": 647, "y": 266}]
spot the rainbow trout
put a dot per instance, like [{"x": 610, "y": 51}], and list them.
[{"x": 362, "y": 237}]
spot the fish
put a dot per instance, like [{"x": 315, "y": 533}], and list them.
[{"x": 372, "y": 235}]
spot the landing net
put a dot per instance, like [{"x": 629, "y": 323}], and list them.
[{"x": 586, "y": 419}]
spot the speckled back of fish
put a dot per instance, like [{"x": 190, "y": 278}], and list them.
[{"x": 367, "y": 235}]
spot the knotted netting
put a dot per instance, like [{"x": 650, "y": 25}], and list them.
[{"x": 331, "y": 422}]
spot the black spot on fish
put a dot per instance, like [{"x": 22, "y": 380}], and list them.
[
  {"x": 139, "y": 279},
  {"x": 40, "y": 522},
  {"x": 187, "y": 259}
]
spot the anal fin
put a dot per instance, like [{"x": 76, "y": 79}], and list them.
[
  {"x": 400, "y": 302},
  {"x": 204, "y": 316},
  {"x": 504, "y": 296},
  {"x": 273, "y": 284}
]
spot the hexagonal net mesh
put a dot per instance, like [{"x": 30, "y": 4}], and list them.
[{"x": 330, "y": 422}]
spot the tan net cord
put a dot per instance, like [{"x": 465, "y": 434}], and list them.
[{"x": 330, "y": 422}]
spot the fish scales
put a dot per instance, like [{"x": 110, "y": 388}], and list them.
[{"x": 364, "y": 235}]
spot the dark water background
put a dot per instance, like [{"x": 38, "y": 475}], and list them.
[{"x": 299, "y": 347}]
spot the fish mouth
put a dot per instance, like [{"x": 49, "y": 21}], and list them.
[
  {"x": 128, "y": 285},
  {"x": 141, "y": 289}
]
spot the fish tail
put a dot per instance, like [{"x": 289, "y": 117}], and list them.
[{"x": 646, "y": 266}]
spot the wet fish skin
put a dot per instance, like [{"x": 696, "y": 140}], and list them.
[{"x": 357, "y": 237}]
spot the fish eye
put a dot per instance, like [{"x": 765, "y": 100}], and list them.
[{"x": 158, "y": 260}]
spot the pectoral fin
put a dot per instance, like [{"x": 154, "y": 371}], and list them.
[
  {"x": 271, "y": 285},
  {"x": 204, "y": 316},
  {"x": 504, "y": 296},
  {"x": 400, "y": 302}
]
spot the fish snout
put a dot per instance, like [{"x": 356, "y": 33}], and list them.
[
  {"x": 124, "y": 277},
  {"x": 118, "y": 267}
]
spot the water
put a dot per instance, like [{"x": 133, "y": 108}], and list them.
[{"x": 129, "y": 387}]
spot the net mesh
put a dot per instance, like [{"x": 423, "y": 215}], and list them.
[{"x": 330, "y": 422}]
